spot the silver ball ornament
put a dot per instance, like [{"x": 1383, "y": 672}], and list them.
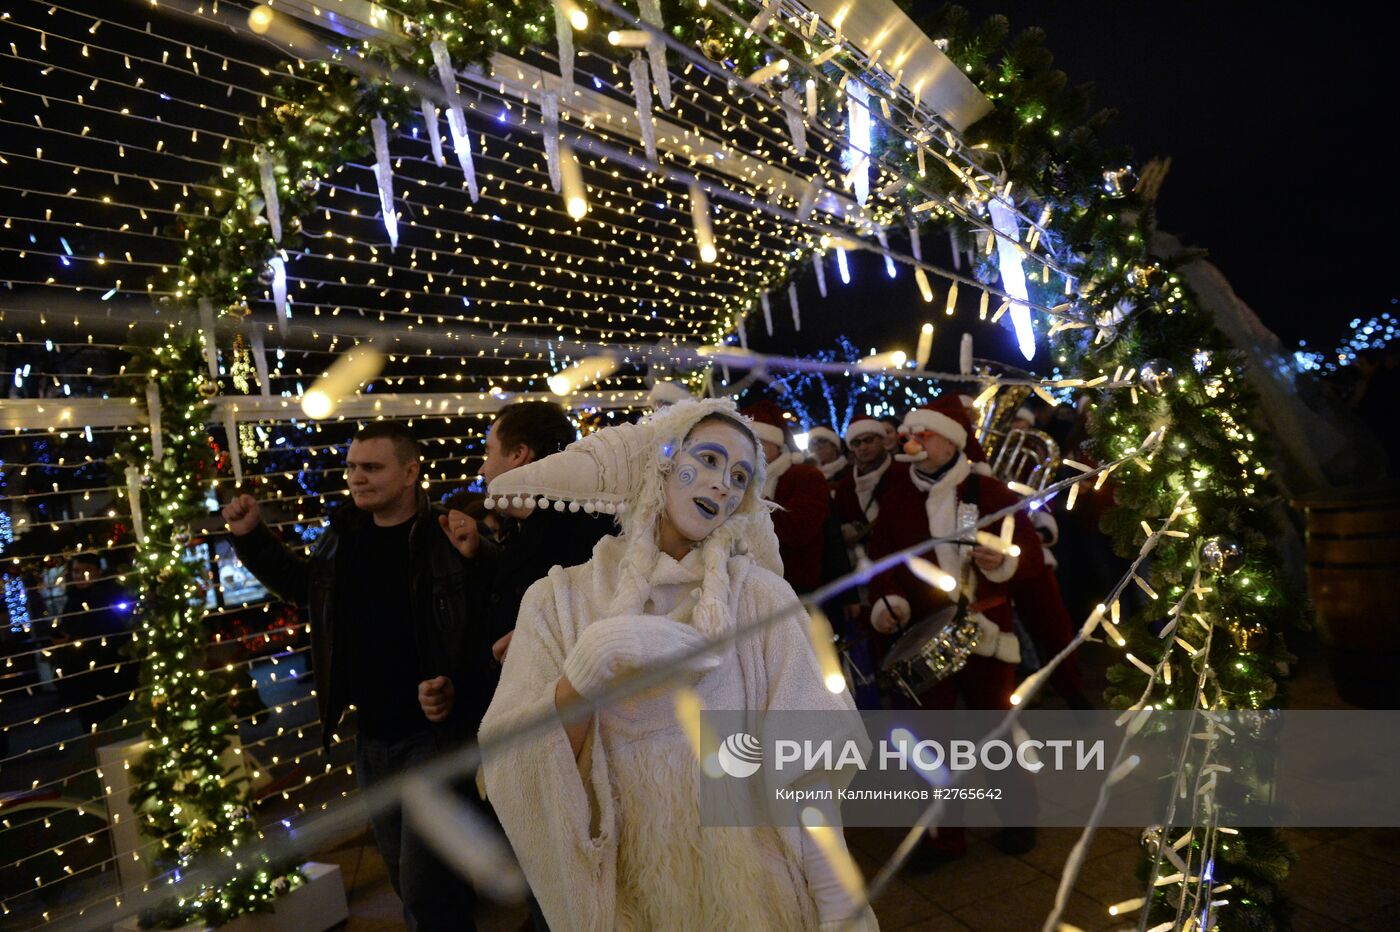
[
  {"x": 1222, "y": 555},
  {"x": 1154, "y": 374}
]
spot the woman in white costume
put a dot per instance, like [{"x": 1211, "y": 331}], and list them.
[{"x": 604, "y": 814}]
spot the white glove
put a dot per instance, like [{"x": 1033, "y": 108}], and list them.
[
  {"x": 889, "y": 613},
  {"x": 994, "y": 642},
  {"x": 614, "y": 647},
  {"x": 833, "y": 902}
]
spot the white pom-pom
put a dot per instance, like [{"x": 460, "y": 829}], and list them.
[
  {"x": 559, "y": 506},
  {"x": 517, "y": 502},
  {"x": 489, "y": 503},
  {"x": 609, "y": 509},
  {"x": 622, "y": 508},
  {"x": 573, "y": 507},
  {"x": 590, "y": 507},
  {"x": 543, "y": 502}
]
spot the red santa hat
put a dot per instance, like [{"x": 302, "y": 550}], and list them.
[
  {"x": 864, "y": 426},
  {"x": 943, "y": 416},
  {"x": 768, "y": 423},
  {"x": 822, "y": 432}
]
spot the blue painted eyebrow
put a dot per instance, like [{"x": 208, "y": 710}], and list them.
[
  {"x": 746, "y": 464},
  {"x": 706, "y": 447}
]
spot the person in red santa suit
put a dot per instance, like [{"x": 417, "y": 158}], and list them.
[
  {"x": 857, "y": 494},
  {"x": 825, "y": 446},
  {"x": 800, "y": 491},
  {"x": 942, "y": 494}
]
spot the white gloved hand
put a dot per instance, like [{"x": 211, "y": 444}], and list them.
[
  {"x": 889, "y": 613},
  {"x": 834, "y": 904},
  {"x": 615, "y": 647}
]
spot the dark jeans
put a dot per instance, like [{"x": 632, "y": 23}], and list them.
[{"x": 435, "y": 898}]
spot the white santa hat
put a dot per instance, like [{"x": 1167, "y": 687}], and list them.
[
  {"x": 768, "y": 422},
  {"x": 822, "y": 432},
  {"x": 865, "y": 425},
  {"x": 943, "y": 416}
]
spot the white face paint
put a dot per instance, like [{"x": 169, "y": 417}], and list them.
[{"x": 709, "y": 476}]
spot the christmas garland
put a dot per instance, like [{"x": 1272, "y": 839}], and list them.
[
  {"x": 183, "y": 792},
  {"x": 1145, "y": 320},
  {"x": 1046, "y": 143}
]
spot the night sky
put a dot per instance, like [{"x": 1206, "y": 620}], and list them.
[{"x": 1274, "y": 116}]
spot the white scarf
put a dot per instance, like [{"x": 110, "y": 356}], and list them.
[
  {"x": 775, "y": 472},
  {"x": 832, "y": 468},
  {"x": 865, "y": 488},
  {"x": 941, "y": 504}
]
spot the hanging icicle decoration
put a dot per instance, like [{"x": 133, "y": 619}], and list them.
[
  {"x": 430, "y": 120},
  {"x": 656, "y": 50},
  {"x": 797, "y": 129},
  {"x": 384, "y": 175},
  {"x": 965, "y": 355},
  {"x": 564, "y": 34},
  {"x": 915, "y": 246},
  {"x": 133, "y": 498},
  {"x": 549, "y": 110},
  {"x": 704, "y": 229},
  {"x": 231, "y": 432},
  {"x": 267, "y": 176},
  {"x": 811, "y": 101},
  {"x": 153, "y": 420},
  {"x": 641, "y": 94},
  {"x": 885, "y": 245},
  {"x": 821, "y": 273},
  {"x": 957, "y": 253},
  {"x": 743, "y": 338},
  {"x": 260, "y": 363},
  {"x": 808, "y": 200},
  {"x": 857, "y": 155},
  {"x": 456, "y": 118},
  {"x": 206, "y": 332},
  {"x": 796, "y": 311},
  {"x": 279, "y": 292},
  {"x": 767, "y": 312}
]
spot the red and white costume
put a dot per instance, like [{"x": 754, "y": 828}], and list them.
[
  {"x": 800, "y": 491},
  {"x": 922, "y": 506}
]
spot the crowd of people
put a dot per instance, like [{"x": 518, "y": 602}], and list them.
[{"x": 591, "y": 560}]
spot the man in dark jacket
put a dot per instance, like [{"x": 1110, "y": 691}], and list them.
[
  {"x": 390, "y": 634},
  {"x": 532, "y": 540}
]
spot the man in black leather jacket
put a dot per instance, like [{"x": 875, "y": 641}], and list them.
[{"x": 392, "y": 634}]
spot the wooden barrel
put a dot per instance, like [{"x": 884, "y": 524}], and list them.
[{"x": 1354, "y": 581}]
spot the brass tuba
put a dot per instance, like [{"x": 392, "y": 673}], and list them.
[{"x": 1028, "y": 458}]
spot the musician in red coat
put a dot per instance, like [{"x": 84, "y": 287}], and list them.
[
  {"x": 942, "y": 490},
  {"x": 940, "y": 497},
  {"x": 825, "y": 446},
  {"x": 856, "y": 496},
  {"x": 803, "y": 499}
]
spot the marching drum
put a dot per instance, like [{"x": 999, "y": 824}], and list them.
[{"x": 930, "y": 651}]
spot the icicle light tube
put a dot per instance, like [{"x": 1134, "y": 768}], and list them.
[
  {"x": 345, "y": 376},
  {"x": 590, "y": 370}
]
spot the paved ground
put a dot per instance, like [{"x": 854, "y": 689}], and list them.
[{"x": 1345, "y": 879}]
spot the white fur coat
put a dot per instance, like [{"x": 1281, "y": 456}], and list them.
[{"x": 623, "y": 848}]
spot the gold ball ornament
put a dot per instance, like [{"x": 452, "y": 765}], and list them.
[{"x": 1151, "y": 840}]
